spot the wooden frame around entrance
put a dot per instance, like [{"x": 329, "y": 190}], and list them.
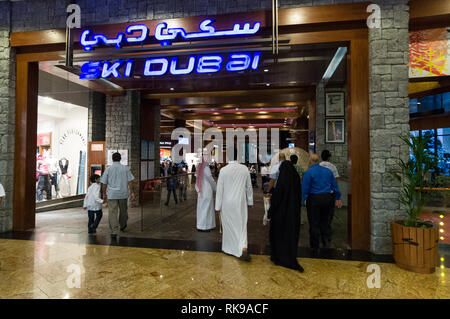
[{"x": 336, "y": 23}]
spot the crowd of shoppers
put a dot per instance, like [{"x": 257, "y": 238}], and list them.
[{"x": 287, "y": 183}]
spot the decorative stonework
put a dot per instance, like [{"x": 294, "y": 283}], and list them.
[
  {"x": 123, "y": 130},
  {"x": 7, "y": 118},
  {"x": 389, "y": 117}
]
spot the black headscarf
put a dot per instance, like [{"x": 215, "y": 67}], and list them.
[{"x": 284, "y": 215}]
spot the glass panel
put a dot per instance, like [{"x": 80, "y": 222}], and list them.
[
  {"x": 413, "y": 107},
  {"x": 446, "y": 101},
  {"x": 430, "y": 103}
]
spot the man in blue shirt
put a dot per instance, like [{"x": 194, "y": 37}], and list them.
[{"x": 320, "y": 190}]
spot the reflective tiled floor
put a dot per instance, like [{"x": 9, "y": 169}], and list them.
[
  {"x": 178, "y": 222},
  {"x": 44, "y": 268}
]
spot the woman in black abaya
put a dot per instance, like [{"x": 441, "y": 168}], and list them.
[{"x": 284, "y": 215}]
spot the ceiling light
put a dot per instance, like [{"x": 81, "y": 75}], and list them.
[
  {"x": 262, "y": 112},
  {"x": 216, "y": 113},
  {"x": 172, "y": 89},
  {"x": 266, "y": 70},
  {"x": 238, "y": 112},
  {"x": 267, "y": 84}
]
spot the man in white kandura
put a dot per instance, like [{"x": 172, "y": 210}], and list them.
[
  {"x": 205, "y": 185},
  {"x": 234, "y": 194}
]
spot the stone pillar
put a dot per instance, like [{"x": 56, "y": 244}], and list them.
[
  {"x": 7, "y": 118},
  {"x": 338, "y": 150},
  {"x": 389, "y": 117},
  {"x": 97, "y": 117},
  {"x": 123, "y": 130}
]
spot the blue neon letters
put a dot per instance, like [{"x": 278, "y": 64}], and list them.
[
  {"x": 159, "y": 66},
  {"x": 209, "y": 63}
]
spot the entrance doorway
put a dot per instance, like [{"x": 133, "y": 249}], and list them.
[
  {"x": 355, "y": 97},
  {"x": 289, "y": 95}
]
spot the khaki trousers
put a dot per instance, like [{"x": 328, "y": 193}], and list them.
[{"x": 116, "y": 218}]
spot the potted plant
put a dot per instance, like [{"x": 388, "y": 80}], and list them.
[{"x": 414, "y": 241}]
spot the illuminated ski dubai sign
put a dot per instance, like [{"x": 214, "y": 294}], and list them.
[{"x": 137, "y": 34}]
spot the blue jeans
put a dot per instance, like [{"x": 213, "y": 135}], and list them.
[{"x": 95, "y": 216}]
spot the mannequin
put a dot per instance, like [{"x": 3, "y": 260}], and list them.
[{"x": 64, "y": 183}]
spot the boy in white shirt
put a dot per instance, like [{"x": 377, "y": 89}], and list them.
[{"x": 93, "y": 204}]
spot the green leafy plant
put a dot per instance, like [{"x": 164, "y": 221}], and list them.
[{"x": 412, "y": 176}]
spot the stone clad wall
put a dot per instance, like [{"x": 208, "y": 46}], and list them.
[
  {"x": 389, "y": 117},
  {"x": 52, "y": 12},
  {"x": 97, "y": 116},
  {"x": 123, "y": 129},
  {"x": 7, "y": 118}
]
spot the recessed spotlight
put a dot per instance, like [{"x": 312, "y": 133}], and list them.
[
  {"x": 266, "y": 70},
  {"x": 262, "y": 112},
  {"x": 216, "y": 113},
  {"x": 172, "y": 89},
  {"x": 267, "y": 84}
]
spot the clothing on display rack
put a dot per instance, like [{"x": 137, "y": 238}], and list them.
[{"x": 43, "y": 179}]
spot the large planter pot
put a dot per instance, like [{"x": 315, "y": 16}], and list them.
[{"x": 415, "y": 249}]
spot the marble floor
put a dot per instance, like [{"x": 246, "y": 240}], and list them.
[{"x": 48, "y": 269}]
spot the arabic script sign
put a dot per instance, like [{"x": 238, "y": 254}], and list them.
[{"x": 137, "y": 34}]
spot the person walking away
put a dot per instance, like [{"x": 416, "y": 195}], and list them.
[
  {"x": 172, "y": 184},
  {"x": 285, "y": 216},
  {"x": 253, "y": 176},
  {"x": 275, "y": 171},
  {"x": 205, "y": 186},
  {"x": 93, "y": 204},
  {"x": 319, "y": 189},
  {"x": 234, "y": 195},
  {"x": 298, "y": 168},
  {"x": 117, "y": 186},
  {"x": 326, "y": 157},
  {"x": 183, "y": 182},
  {"x": 193, "y": 170},
  {"x": 264, "y": 176}
]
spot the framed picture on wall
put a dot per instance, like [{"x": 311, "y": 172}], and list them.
[
  {"x": 335, "y": 104},
  {"x": 334, "y": 131}
]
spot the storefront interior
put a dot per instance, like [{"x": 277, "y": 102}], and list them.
[
  {"x": 62, "y": 141},
  {"x": 279, "y": 94}
]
